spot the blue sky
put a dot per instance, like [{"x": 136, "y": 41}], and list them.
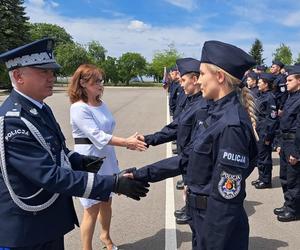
[{"x": 145, "y": 26}]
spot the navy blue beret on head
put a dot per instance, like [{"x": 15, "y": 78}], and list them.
[
  {"x": 37, "y": 54},
  {"x": 228, "y": 57},
  {"x": 294, "y": 70},
  {"x": 278, "y": 63},
  {"x": 187, "y": 65},
  {"x": 252, "y": 75},
  {"x": 266, "y": 76},
  {"x": 173, "y": 68},
  {"x": 261, "y": 67}
]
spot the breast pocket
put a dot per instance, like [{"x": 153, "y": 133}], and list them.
[
  {"x": 201, "y": 163},
  {"x": 184, "y": 134}
]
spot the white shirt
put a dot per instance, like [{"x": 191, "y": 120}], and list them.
[{"x": 96, "y": 124}]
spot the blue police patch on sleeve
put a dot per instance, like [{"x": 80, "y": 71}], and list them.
[
  {"x": 229, "y": 185},
  {"x": 233, "y": 158}
]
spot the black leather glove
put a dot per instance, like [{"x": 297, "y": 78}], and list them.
[
  {"x": 92, "y": 163},
  {"x": 130, "y": 187}
]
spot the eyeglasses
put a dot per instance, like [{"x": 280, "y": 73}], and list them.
[{"x": 100, "y": 81}]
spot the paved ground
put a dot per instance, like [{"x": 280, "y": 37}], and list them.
[{"x": 141, "y": 225}]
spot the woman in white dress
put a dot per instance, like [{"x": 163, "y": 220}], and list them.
[{"x": 92, "y": 129}]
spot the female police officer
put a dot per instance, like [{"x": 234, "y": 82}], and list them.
[
  {"x": 222, "y": 155},
  {"x": 266, "y": 126}
]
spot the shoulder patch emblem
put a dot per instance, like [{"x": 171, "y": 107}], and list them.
[
  {"x": 229, "y": 185},
  {"x": 33, "y": 111},
  {"x": 282, "y": 89},
  {"x": 273, "y": 114}
]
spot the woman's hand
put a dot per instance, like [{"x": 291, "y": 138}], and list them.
[{"x": 134, "y": 143}]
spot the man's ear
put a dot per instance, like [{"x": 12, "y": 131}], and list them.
[{"x": 17, "y": 75}]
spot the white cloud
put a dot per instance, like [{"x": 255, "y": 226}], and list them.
[
  {"x": 54, "y": 4},
  {"x": 184, "y": 4},
  {"x": 292, "y": 19},
  {"x": 137, "y": 25},
  {"x": 37, "y": 3}
]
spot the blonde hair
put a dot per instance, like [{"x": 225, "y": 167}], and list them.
[{"x": 245, "y": 96}]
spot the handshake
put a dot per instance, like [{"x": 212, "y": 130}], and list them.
[
  {"x": 126, "y": 185},
  {"x": 136, "y": 142}
]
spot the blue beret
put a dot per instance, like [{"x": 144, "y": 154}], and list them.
[
  {"x": 230, "y": 58},
  {"x": 187, "y": 65},
  {"x": 37, "y": 54},
  {"x": 174, "y": 68},
  {"x": 261, "y": 67},
  {"x": 279, "y": 63},
  {"x": 266, "y": 76},
  {"x": 294, "y": 70},
  {"x": 252, "y": 75}
]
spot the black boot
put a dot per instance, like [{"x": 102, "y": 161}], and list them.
[
  {"x": 179, "y": 212},
  {"x": 255, "y": 182},
  {"x": 183, "y": 219},
  {"x": 263, "y": 185},
  {"x": 279, "y": 210},
  {"x": 180, "y": 184},
  {"x": 287, "y": 216}
]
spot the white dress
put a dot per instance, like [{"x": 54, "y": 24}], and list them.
[{"x": 96, "y": 124}]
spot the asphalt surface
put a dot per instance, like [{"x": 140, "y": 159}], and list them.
[{"x": 141, "y": 225}]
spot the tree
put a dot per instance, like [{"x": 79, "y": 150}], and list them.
[
  {"x": 110, "y": 68},
  {"x": 298, "y": 59},
  {"x": 166, "y": 58},
  {"x": 97, "y": 52},
  {"x": 131, "y": 65},
  {"x": 13, "y": 31},
  {"x": 70, "y": 56},
  {"x": 284, "y": 54},
  {"x": 42, "y": 30},
  {"x": 257, "y": 52}
]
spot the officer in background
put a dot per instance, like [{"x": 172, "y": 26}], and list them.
[
  {"x": 252, "y": 78},
  {"x": 39, "y": 175},
  {"x": 174, "y": 88},
  {"x": 222, "y": 155},
  {"x": 280, "y": 88},
  {"x": 289, "y": 151},
  {"x": 266, "y": 126},
  {"x": 181, "y": 129}
]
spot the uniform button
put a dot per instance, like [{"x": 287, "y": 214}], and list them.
[{"x": 16, "y": 103}]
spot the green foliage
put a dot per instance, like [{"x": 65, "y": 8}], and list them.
[
  {"x": 42, "y": 30},
  {"x": 257, "y": 52},
  {"x": 97, "y": 52},
  {"x": 131, "y": 65},
  {"x": 13, "y": 31},
  {"x": 70, "y": 56},
  {"x": 110, "y": 67},
  {"x": 298, "y": 59},
  {"x": 284, "y": 54},
  {"x": 166, "y": 58}
]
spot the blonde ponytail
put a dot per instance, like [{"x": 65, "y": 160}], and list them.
[{"x": 245, "y": 96}]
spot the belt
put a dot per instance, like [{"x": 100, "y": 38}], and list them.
[
  {"x": 82, "y": 141},
  {"x": 288, "y": 136},
  {"x": 196, "y": 201}
]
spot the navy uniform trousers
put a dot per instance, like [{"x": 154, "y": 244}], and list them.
[{"x": 290, "y": 174}]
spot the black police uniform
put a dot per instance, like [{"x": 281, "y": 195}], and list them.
[
  {"x": 290, "y": 174},
  {"x": 181, "y": 102},
  {"x": 280, "y": 91},
  {"x": 30, "y": 167},
  {"x": 217, "y": 163},
  {"x": 173, "y": 95},
  {"x": 266, "y": 126},
  {"x": 181, "y": 128}
]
